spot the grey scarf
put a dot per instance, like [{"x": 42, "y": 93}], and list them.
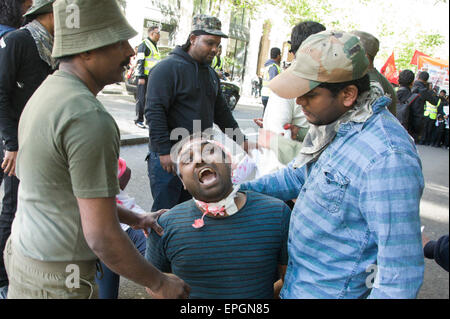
[
  {"x": 319, "y": 137},
  {"x": 44, "y": 42}
]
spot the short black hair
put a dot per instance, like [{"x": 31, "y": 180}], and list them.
[
  {"x": 274, "y": 53},
  {"x": 406, "y": 77},
  {"x": 302, "y": 31},
  {"x": 11, "y": 13},
  {"x": 424, "y": 76},
  {"x": 152, "y": 28},
  {"x": 363, "y": 85},
  {"x": 445, "y": 92}
]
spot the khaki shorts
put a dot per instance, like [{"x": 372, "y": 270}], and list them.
[{"x": 35, "y": 279}]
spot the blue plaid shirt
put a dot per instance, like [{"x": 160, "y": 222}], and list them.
[{"x": 355, "y": 228}]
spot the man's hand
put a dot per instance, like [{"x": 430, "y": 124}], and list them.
[
  {"x": 294, "y": 130},
  {"x": 141, "y": 82},
  {"x": 259, "y": 122},
  {"x": 167, "y": 164},
  {"x": 150, "y": 220},
  {"x": 9, "y": 163},
  {"x": 171, "y": 287},
  {"x": 425, "y": 240}
]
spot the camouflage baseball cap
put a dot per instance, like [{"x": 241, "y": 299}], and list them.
[
  {"x": 40, "y": 7},
  {"x": 84, "y": 25},
  {"x": 369, "y": 42},
  {"x": 208, "y": 24},
  {"x": 325, "y": 57}
]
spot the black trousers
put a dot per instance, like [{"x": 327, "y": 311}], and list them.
[
  {"x": 9, "y": 206},
  {"x": 140, "y": 101},
  {"x": 428, "y": 131}
]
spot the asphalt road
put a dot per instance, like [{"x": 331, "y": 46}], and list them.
[{"x": 434, "y": 204}]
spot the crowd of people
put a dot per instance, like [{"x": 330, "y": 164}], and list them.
[{"x": 305, "y": 212}]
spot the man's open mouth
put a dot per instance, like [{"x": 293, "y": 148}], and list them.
[{"x": 207, "y": 176}]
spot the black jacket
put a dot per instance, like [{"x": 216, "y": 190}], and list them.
[
  {"x": 181, "y": 90},
  {"x": 21, "y": 72},
  {"x": 438, "y": 250},
  {"x": 418, "y": 107}
]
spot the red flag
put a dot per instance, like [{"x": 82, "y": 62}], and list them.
[
  {"x": 389, "y": 70},
  {"x": 415, "y": 57}
]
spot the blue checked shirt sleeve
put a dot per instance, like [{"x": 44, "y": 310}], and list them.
[
  {"x": 284, "y": 184},
  {"x": 389, "y": 200}
]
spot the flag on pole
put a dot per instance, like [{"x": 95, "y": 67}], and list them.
[
  {"x": 389, "y": 70},
  {"x": 415, "y": 58}
]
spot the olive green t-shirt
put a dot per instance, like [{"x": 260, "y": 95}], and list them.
[
  {"x": 374, "y": 75},
  {"x": 68, "y": 148}
]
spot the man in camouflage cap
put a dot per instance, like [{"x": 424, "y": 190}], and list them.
[
  {"x": 67, "y": 216},
  {"x": 371, "y": 46},
  {"x": 208, "y": 24},
  {"x": 183, "y": 88},
  {"x": 357, "y": 181}
]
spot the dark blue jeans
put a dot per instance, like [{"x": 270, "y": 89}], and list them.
[
  {"x": 9, "y": 206},
  {"x": 108, "y": 285},
  {"x": 167, "y": 189}
]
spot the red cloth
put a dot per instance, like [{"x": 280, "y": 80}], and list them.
[
  {"x": 416, "y": 56},
  {"x": 389, "y": 70}
]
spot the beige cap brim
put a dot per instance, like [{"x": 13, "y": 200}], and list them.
[{"x": 289, "y": 86}]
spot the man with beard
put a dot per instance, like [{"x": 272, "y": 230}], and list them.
[
  {"x": 224, "y": 243},
  {"x": 67, "y": 165},
  {"x": 355, "y": 226},
  {"x": 183, "y": 97},
  {"x": 25, "y": 59}
]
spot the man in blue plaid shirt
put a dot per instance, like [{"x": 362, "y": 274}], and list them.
[{"x": 355, "y": 227}]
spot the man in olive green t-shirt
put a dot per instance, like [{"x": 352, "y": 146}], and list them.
[{"x": 67, "y": 165}]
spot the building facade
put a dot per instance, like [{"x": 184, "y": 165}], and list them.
[{"x": 244, "y": 52}]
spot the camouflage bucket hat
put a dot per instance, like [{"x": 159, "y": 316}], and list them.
[
  {"x": 84, "y": 25},
  {"x": 325, "y": 57},
  {"x": 208, "y": 24},
  {"x": 40, "y": 7},
  {"x": 369, "y": 42}
]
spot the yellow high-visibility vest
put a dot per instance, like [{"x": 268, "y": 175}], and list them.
[
  {"x": 265, "y": 91},
  {"x": 431, "y": 110},
  {"x": 151, "y": 59},
  {"x": 215, "y": 65}
]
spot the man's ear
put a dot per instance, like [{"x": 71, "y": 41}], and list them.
[
  {"x": 193, "y": 38},
  {"x": 349, "y": 95}
]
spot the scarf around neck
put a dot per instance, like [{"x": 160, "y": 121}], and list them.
[
  {"x": 44, "y": 42},
  {"x": 319, "y": 137},
  {"x": 225, "y": 207}
]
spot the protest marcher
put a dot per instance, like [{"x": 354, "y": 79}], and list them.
[
  {"x": 354, "y": 214},
  {"x": 271, "y": 69},
  {"x": 147, "y": 57},
  {"x": 371, "y": 45},
  {"x": 184, "y": 96},
  {"x": 25, "y": 59},
  {"x": 67, "y": 215},
  {"x": 224, "y": 243},
  {"x": 406, "y": 99},
  {"x": 419, "y": 121}
]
